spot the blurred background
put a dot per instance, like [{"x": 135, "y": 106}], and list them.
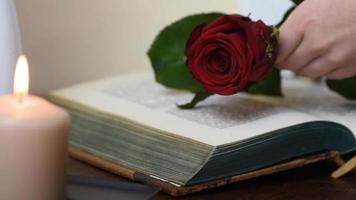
[{"x": 72, "y": 41}]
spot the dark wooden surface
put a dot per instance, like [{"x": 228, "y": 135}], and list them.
[{"x": 311, "y": 182}]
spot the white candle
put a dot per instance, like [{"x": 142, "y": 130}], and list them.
[{"x": 33, "y": 144}]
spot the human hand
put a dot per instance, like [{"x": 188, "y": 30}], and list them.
[{"x": 319, "y": 39}]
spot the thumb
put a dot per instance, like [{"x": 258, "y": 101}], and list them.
[{"x": 291, "y": 35}]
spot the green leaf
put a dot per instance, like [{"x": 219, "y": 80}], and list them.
[
  {"x": 270, "y": 86},
  {"x": 200, "y": 96},
  {"x": 346, "y": 87},
  {"x": 297, "y": 2},
  {"x": 167, "y": 53}
]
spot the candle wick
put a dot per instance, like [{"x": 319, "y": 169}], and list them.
[{"x": 20, "y": 98}]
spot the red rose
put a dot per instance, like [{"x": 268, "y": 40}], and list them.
[{"x": 231, "y": 53}]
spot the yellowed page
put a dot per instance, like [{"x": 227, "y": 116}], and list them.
[{"x": 218, "y": 120}]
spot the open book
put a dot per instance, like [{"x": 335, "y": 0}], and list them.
[{"x": 133, "y": 121}]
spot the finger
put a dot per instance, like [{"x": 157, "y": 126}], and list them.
[
  {"x": 304, "y": 54},
  {"x": 342, "y": 73},
  {"x": 290, "y": 38},
  {"x": 317, "y": 68}
]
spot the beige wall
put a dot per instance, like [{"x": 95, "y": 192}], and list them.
[{"x": 71, "y": 41}]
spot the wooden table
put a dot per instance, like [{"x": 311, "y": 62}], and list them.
[{"x": 311, "y": 182}]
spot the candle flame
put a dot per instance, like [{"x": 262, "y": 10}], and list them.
[{"x": 21, "y": 79}]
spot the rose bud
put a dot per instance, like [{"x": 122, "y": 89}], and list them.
[{"x": 231, "y": 53}]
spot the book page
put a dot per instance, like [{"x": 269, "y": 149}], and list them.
[
  {"x": 218, "y": 120},
  {"x": 316, "y": 99}
]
